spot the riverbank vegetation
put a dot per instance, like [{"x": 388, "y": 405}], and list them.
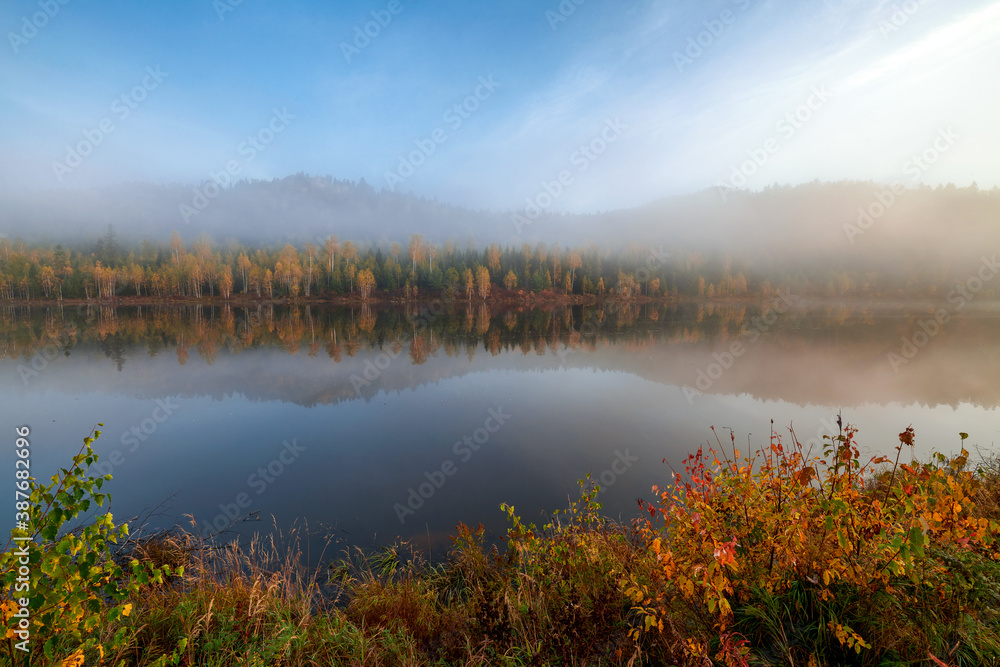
[{"x": 768, "y": 557}]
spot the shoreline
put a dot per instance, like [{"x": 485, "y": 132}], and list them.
[
  {"x": 383, "y": 299},
  {"x": 507, "y": 300}
]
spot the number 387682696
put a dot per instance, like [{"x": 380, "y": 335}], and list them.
[{"x": 22, "y": 475}]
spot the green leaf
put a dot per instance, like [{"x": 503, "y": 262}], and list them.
[
  {"x": 842, "y": 540},
  {"x": 916, "y": 540}
]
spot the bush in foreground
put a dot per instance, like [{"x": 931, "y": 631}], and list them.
[{"x": 828, "y": 560}]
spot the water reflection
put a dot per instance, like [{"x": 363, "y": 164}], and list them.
[
  {"x": 374, "y": 423},
  {"x": 826, "y": 354}
]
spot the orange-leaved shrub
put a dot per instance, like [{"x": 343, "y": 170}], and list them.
[{"x": 734, "y": 529}]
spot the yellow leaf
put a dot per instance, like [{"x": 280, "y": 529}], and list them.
[
  {"x": 127, "y": 609},
  {"x": 74, "y": 660}
]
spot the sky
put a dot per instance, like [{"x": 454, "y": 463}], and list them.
[{"x": 578, "y": 105}]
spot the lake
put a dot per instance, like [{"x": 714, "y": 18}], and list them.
[{"x": 374, "y": 424}]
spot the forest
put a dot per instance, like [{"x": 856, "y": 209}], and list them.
[{"x": 108, "y": 270}]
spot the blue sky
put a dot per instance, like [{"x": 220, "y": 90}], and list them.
[{"x": 670, "y": 97}]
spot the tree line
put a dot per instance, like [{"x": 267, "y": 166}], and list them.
[{"x": 331, "y": 267}]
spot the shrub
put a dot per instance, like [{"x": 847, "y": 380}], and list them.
[
  {"x": 785, "y": 539},
  {"x": 72, "y": 586}
]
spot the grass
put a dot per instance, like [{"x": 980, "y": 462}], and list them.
[{"x": 565, "y": 594}]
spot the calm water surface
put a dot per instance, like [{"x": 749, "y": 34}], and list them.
[{"x": 374, "y": 425}]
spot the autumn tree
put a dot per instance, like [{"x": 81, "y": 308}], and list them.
[
  {"x": 483, "y": 282},
  {"x": 493, "y": 258},
  {"x": 470, "y": 284},
  {"x": 541, "y": 253},
  {"x": 366, "y": 283},
  {"x": 226, "y": 282},
  {"x": 510, "y": 280},
  {"x": 194, "y": 272},
  {"x": 106, "y": 279},
  {"x": 332, "y": 246},
  {"x": 573, "y": 262},
  {"x": 311, "y": 254},
  {"x": 176, "y": 246},
  {"x": 416, "y": 249},
  {"x": 48, "y": 279},
  {"x": 137, "y": 277},
  {"x": 555, "y": 260},
  {"x": 269, "y": 283},
  {"x": 243, "y": 263},
  {"x": 349, "y": 251},
  {"x": 288, "y": 270},
  {"x": 351, "y": 272}
]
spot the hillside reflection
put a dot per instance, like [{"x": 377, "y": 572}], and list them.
[{"x": 829, "y": 354}]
